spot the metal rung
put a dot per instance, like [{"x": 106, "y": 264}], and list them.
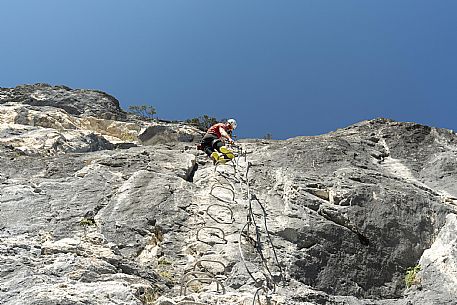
[
  {"x": 214, "y": 242},
  {"x": 232, "y": 219},
  {"x": 219, "y": 283},
  {"x": 228, "y": 183},
  {"x": 198, "y": 263},
  {"x": 223, "y": 200},
  {"x": 193, "y": 273},
  {"x": 209, "y": 278},
  {"x": 225, "y": 188},
  {"x": 226, "y": 178}
]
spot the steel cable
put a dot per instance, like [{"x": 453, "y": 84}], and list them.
[{"x": 223, "y": 181}]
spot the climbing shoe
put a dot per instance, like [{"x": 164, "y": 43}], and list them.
[
  {"x": 217, "y": 159},
  {"x": 222, "y": 160},
  {"x": 227, "y": 152},
  {"x": 215, "y": 156}
]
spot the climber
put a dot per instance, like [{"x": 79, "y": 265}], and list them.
[{"x": 215, "y": 138}]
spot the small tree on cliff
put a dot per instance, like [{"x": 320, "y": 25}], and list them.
[
  {"x": 268, "y": 136},
  {"x": 203, "y": 123},
  {"x": 144, "y": 111}
]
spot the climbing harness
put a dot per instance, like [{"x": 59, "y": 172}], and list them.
[{"x": 253, "y": 241}]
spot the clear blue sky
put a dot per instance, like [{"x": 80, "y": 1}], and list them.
[{"x": 289, "y": 67}]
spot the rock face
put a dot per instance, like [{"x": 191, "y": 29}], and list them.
[
  {"x": 75, "y": 102},
  {"x": 360, "y": 203},
  {"x": 47, "y": 120},
  {"x": 97, "y": 207},
  {"x": 437, "y": 279}
]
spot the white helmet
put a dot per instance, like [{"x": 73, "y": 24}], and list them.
[{"x": 232, "y": 123}]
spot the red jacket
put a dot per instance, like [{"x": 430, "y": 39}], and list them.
[{"x": 215, "y": 129}]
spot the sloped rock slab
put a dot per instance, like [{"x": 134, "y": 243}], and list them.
[{"x": 77, "y": 102}]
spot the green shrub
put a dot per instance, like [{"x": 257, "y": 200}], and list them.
[
  {"x": 149, "y": 296},
  {"x": 163, "y": 262},
  {"x": 411, "y": 276},
  {"x": 166, "y": 275},
  {"x": 87, "y": 221},
  {"x": 203, "y": 123}
]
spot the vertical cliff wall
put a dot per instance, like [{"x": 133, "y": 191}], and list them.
[{"x": 97, "y": 207}]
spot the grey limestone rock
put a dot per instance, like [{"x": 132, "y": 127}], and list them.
[
  {"x": 77, "y": 102},
  {"x": 165, "y": 133},
  {"x": 345, "y": 213},
  {"x": 356, "y": 210},
  {"x": 436, "y": 283},
  {"x": 45, "y": 120}
]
